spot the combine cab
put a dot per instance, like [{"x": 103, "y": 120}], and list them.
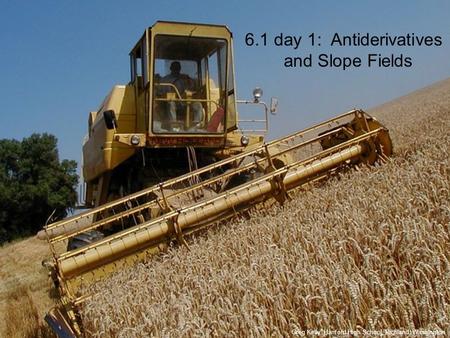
[
  {"x": 181, "y": 95},
  {"x": 165, "y": 158}
]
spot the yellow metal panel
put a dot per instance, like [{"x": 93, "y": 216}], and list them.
[
  {"x": 117, "y": 153},
  {"x": 100, "y": 152}
]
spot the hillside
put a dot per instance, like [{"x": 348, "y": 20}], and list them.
[
  {"x": 25, "y": 290},
  {"x": 368, "y": 250}
]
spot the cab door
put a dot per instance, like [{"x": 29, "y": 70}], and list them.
[{"x": 139, "y": 62}]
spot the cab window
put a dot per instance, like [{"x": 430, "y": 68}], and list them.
[
  {"x": 138, "y": 63},
  {"x": 189, "y": 92}
]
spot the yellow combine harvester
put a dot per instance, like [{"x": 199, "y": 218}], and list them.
[{"x": 165, "y": 156}]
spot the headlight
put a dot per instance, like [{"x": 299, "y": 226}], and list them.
[
  {"x": 135, "y": 140},
  {"x": 257, "y": 94},
  {"x": 245, "y": 140}
]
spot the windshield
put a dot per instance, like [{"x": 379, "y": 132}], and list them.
[{"x": 189, "y": 85}]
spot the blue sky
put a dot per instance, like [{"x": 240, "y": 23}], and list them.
[{"x": 60, "y": 58}]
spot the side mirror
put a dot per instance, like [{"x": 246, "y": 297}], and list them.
[
  {"x": 273, "y": 105},
  {"x": 110, "y": 119}
]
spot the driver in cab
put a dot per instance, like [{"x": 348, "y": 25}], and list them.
[{"x": 184, "y": 85}]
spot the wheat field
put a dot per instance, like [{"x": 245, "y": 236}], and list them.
[
  {"x": 368, "y": 250},
  {"x": 25, "y": 291}
]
